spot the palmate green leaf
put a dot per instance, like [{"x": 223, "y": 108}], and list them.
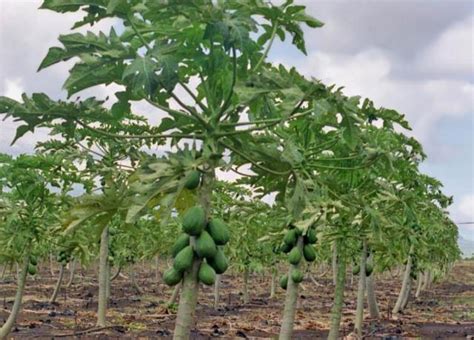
[
  {"x": 141, "y": 75},
  {"x": 95, "y": 71},
  {"x": 63, "y": 6}
]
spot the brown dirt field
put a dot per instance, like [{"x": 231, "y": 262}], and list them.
[{"x": 446, "y": 311}]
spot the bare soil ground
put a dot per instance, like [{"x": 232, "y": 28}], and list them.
[{"x": 446, "y": 311}]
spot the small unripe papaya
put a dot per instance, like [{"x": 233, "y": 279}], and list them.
[
  {"x": 284, "y": 282},
  {"x": 311, "y": 237},
  {"x": 297, "y": 276},
  {"x": 184, "y": 259},
  {"x": 295, "y": 256},
  {"x": 219, "y": 262},
  {"x": 309, "y": 253},
  {"x": 291, "y": 237},
  {"x": 369, "y": 269},
  {"x": 31, "y": 269},
  {"x": 356, "y": 270},
  {"x": 194, "y": 220},
  {"x": 172, "y": 277},
  {"x": 180, "y": 244},
  {"x": 205, "y": 245},
  {"x": 206, "y": 274},
  {"x": 192, "y": 180},
  {"x": 219, "y": 231}
]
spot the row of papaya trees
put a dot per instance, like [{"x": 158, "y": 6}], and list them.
[{"x": 341, "y": 174}]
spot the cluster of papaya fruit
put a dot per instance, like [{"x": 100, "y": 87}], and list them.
[
  {"x": 202, "y": 239},
  {"x": 369, "y": 268},
  {"x": 64, "y": 257},
  {"x": 32, "y": 270},
  {"x": 297, "y": 252}
]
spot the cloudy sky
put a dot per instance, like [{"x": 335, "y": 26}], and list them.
[{"x": 414, "y": 56}]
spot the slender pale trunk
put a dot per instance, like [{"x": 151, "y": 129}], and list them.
[
  {"x": 72, "y": 272},
  {"x": 246, "y": 285},
  {"x": 273, "y": 285},
  {"x": 359, "y": 317},
  {"x": 406, "y": 278},
  {"x": 427, "y": 279},
  {"x": 157, "y": 269},
  {"x": 58, "y": 284},
  {"x": 371, "y": 297},
  {"x": 406, "y": 297},
  {"x": 8, "y": 325},
  {"x": 336, "y": 311},
  {"x": 51, "y": 264},
  {"x": 133, "y": 278},
  {"x": 190, "y": 289},
  {"x": 216, "y": 291},
  {"x": 174, "y": 295},
  {"x": 334, "y": 263},
  {"x": 103, "y": 278},
  {"x": 419, "y": 285},
  {"x": 291, "y": 298},
  {"x": 117, "y": 273}
]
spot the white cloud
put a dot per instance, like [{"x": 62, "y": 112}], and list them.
[
  {"x": 465, "y": 208},
  {"x": 452, "y": 51},
  {"x": 13, "y": 88},
  {"x": 370, "y": 73}
]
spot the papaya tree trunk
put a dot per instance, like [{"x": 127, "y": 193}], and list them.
[
  {"x": 174, "y": 295},
  {"x": 133, "y": 278},
  {"x": 419, "y": 284},
  {"x": 406, "y": 278},
  {"x": 216, "y": 291},
  {"x": 359, "y": 317},
  {"x": 273, "y": 284},
  {"x": 51, "y": 264},
  {"x": 406, "y": 297},
  {"x": 72, "y": 272},
  {"x": 246, "y": 286},
  {"x": 372, "y": 298},
  {"x": 336, "y": 311},
  {"x": 334, "y": 264},
  {"x": 190, "y": 288},
  {"x": 157, "y": 268},
  {"x": 427, "y": 279},
  {"x": 291, "y": 298},
  {"x": 57, "y": 287},
  {"x": 103, "y": 278},
  {"x": 8, "y": 325},
  {"x": 117, "y": 273}
]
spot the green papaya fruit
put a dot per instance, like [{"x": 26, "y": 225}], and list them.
[
  {"x": 311, "y": 237},
  {"x": 184, "y": 259},
  {"x": 206, "y": 274},
  {"x": 285, "y": 248},
  {"x": 172, "y": 277},
  {"x": 205, "y": 245},
  {"x": 295, "y": 256},
  {"x": 368, "y": 269},
  {"x": 309, "y": 253},
  {"x": 219, "y": 231},
  {"x": 297, "y": 276},
  {"x": 194, "y": 220},
  {"x": 180, "y": 243},
  {"x": 33, "y": 260},
  {"x": 284, "y": 282},
  {"x": 192, "y": 180},
  {"x": 219, "y": 262},
  {"x": 291, "y": 237},
  {"x": 31, "y": 269},
  {"x": 356, "y": 270}
]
